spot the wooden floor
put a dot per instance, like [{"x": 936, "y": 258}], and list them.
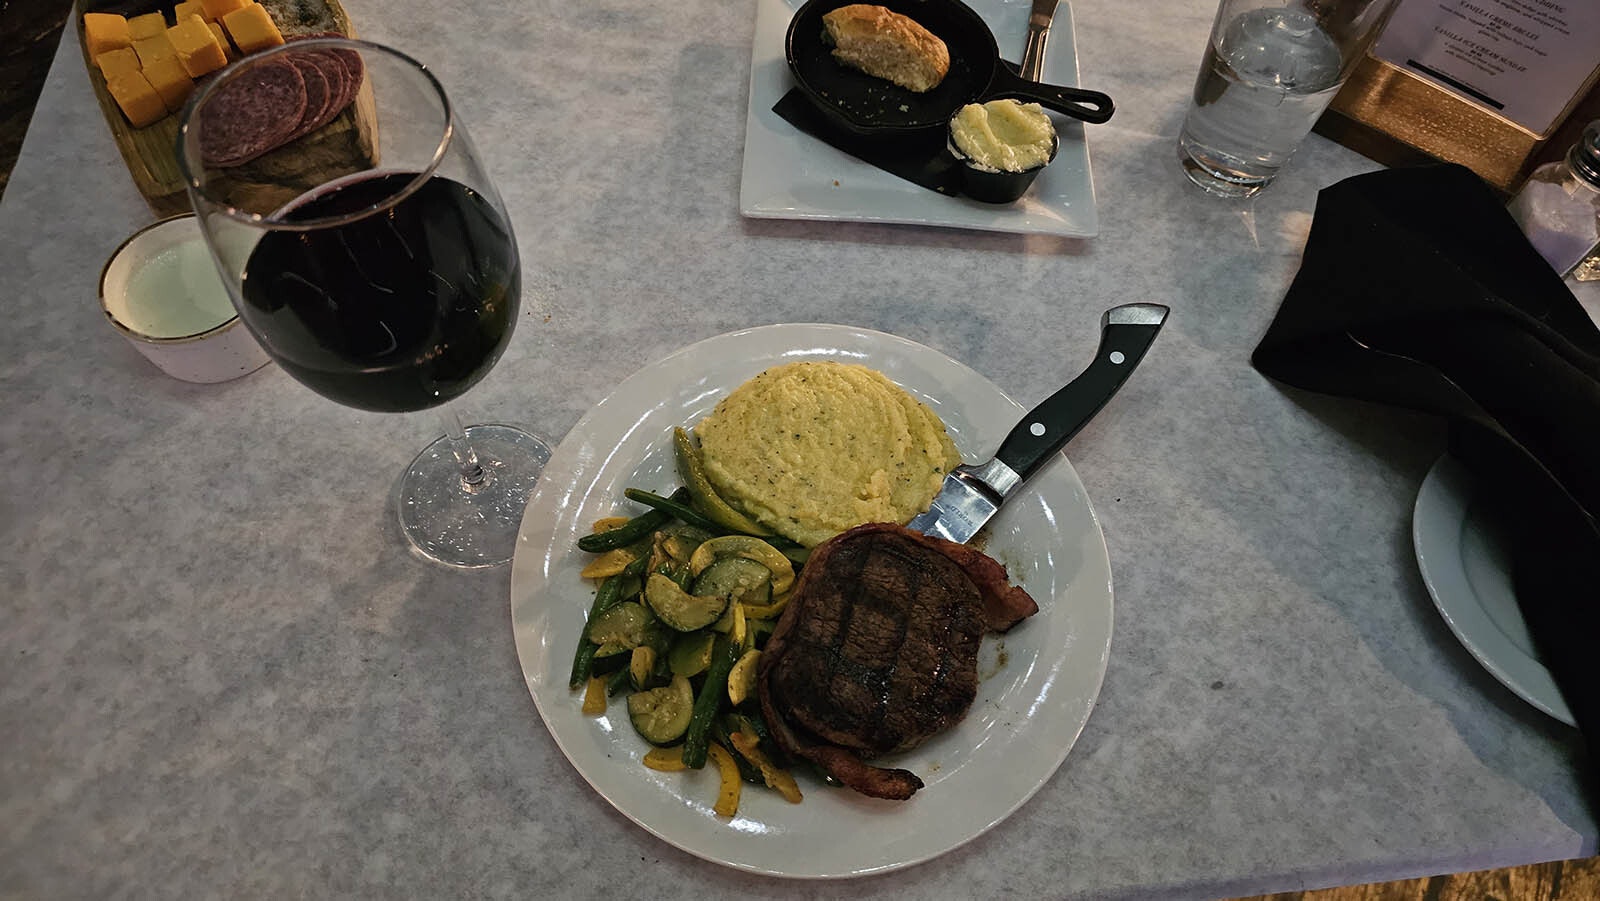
[
  {"x": 1573, "y": 880},
  {"x": 29, "y": 33}
]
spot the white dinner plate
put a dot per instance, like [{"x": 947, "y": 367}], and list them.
[
  {"x": 791, "y": 175},
  {"x": 1038, "y": 682},
  {"x": 1464, "y": 559}
]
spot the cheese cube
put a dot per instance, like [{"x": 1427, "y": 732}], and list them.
[
  {"x": 139, "y": 101},
  {"x": 146, "y": 26},
  {"x": 216, "y": 9},
  {"x": 114, "y": 62},
  {"x": 104, "y": 31},
  {"x": 170, "y": 80},
  {"x": 197, "y": 47},
  {"x": 251, "y": 28},
  {"x": 152, "y": 49},
  {"x": 189, "y": 8},
  {"x": 222, "y": 40}
]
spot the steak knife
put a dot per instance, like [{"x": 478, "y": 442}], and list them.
[
  {"x": 1038, "y": 33},
  {"x": 971, "y": 494}
]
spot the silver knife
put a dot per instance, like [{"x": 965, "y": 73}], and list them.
[
  {"x": 971, "y": 494},
  {"x": 1038, "y": 33}
]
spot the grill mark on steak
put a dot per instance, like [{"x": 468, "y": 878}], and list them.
[
  {"x": 877, "y": 650},
  {"x": 886, "y": 653}
]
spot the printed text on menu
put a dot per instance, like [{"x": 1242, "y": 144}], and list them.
[{"x": 1524, "y": 59}]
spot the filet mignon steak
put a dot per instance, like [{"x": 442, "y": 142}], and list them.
[{"x": 877, "y": 649}]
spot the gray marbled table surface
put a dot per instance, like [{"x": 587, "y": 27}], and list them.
[{"x": 222, "y": 673}]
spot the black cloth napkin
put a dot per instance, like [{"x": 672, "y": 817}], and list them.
[{"x": 1418, "y": 289}]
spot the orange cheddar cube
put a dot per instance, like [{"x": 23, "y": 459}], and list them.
[
  {"x": 152, "y": 49},
  {"x": 251, "y": 28},
  {"x": 189, "y": 8},
  {"x": 170, "y": 81},
  {"x": 222, "y": 40},
  {"x": 105, "y": 31},
  {"x": 146, "y": 26},
  {"x": 197, "y": 47},
  {"x": 115, "y": 62},
  {"x": 139, "y": 101},
  {"x": 216, "y": 9}
]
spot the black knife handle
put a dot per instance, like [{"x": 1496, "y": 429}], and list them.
[{"x": 1126, "y": 332}]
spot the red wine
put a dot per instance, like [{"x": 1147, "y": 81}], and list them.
[{"x": 402, "y": 309}]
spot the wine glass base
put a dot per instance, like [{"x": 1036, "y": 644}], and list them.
[{"x": 470, "y": 526}]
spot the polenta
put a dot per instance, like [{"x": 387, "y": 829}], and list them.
[{"x": 811, "y": 449}]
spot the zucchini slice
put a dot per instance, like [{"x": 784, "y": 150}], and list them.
[
  {"x": 661, "y": 715},
  {"x": 689, "y": 536},
  {"x": 679, "y": 609},
  {"x": 750, "y": 548},
  {"x": 691, "y": 653},
  {"x": 740, "y": 578},
  {"x": 622, "y": 628}
]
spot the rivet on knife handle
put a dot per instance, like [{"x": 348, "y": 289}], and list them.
[{"x": 1126, "y": 332}]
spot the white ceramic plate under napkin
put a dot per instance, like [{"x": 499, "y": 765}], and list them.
[{"x": 1467, "y": 569}]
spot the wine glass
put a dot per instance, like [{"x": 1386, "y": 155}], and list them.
[{"x": 365, "y": 247}]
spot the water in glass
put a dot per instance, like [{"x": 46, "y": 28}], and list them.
[{"x": 1268, "y": 74}]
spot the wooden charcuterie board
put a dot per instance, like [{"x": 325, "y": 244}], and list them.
[{"x": 346, "y": 144}]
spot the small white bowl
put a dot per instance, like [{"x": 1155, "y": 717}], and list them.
[{"x": 161, "y": 290}]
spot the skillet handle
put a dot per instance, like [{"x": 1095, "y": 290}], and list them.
[{"x": 1092, "y": 107}]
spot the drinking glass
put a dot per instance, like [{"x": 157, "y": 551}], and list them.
[
  {"x": 365, "y": 247},
  {"x": 1270, "y": 68}
]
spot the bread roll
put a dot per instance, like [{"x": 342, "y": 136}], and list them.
[{"x": 887, "y": 45}]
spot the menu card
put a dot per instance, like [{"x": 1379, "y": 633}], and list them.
[{"x": 1526, "y": 60}]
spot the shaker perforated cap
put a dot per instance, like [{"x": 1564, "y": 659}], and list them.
[{"x": 1584, "y": 159}]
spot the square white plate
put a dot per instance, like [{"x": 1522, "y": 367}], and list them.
[{"x": 791, "y": 175}]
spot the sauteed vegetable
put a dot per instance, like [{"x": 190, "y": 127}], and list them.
[{"x": 686, "y": 595}]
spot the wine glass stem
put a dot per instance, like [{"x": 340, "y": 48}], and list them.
[{"x": 473, "y": 474}]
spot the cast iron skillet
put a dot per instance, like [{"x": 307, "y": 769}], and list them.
[{"x": 866, "y": 105}]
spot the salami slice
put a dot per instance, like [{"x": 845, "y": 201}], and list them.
[
  {"x": 353, "y": 66},
  {"x": 340, "y": 89},
  {"x": 252, "y": 113},
  {"x": 319, "y": 95},
  {"x": 342, "y": 68}
]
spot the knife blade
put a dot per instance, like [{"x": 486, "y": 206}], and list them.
[
  {"x": 1038, "y": 33},
  {"x": 972, "y": 494}
]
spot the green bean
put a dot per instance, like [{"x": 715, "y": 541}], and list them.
[
  {"x": 705, "y": 498},
  {"x": 607, "y": 596},
  {"x": 758, "y": 725},
  {"x": 683, "y": 577},
  {"x": 633, "y": 530},
  {"x": 708, "y": 702},
  {"x": 693, "y": 517},
  {"x": 748, "y": 771},
  {"x": 671, "y": 507},
  {"x": 618, "y": 681}
]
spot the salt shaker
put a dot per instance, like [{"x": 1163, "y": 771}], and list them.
[{"x": 1559, "y": 209}]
